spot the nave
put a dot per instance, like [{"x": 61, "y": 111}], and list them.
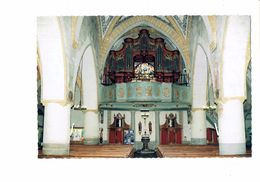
[{"x": 119, "y": 83}]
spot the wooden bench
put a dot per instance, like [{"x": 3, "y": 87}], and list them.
[
  {"x": 194, "y": 151},
  {"x": 94, "y": 151}
]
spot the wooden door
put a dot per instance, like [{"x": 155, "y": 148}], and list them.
[
  {"x": 112, "y": 135},
  {"x": 119, "y": 135},
  {"x": 164, "y": 136},
  {"x": 171, "y": 136},
  {"x": 209, "y": 135},
  {"x": 215, "y": 137}
]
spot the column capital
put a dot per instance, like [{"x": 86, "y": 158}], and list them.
[
  {"x": 194, "y": 109},
  {"x": 91, "y": 110},
  {"x": 223, "y": 100},
  {"x": 62, "y": 102}
]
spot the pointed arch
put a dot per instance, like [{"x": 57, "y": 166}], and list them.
[
  {"x": 89, "y": 80},
  {"x": 153, "y": 22},
  {"x": 234, "y": 58},
  {"x": 77, "y": 60},
  {"x": 199, "y": 79},
  {"x": 52, "y": 60}
]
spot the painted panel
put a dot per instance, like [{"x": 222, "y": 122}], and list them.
[
  {"x": 145, "y": 91},
  {"x": 181, "y": 94},
  {"x": 107, "y": 93},
  {"x": 166, "y": 92},
  {"x": 121, "y": 92}
]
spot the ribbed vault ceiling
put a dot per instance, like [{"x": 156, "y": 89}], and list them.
[{"x": 181, "y": 21}]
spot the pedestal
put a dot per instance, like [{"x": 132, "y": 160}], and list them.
[
  {"x": 145, "y": 152},
  {"x": 145, "y": 140}
]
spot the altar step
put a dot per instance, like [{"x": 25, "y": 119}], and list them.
[{"x": 193, "y": 151}]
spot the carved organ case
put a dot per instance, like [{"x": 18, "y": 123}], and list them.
[{"x": 143, "y": 58}]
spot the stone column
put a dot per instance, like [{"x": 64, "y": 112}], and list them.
[
  {"x": 56, "y": 135},
  {"x": 157, "y": 127},
  {"x": 198, "y": 127},
  {"x": 105, "y": 127},
  {"x": 133, "y": 121},
  {"x": 91, "y": 127},
  {"x": 231, "y": 124}
]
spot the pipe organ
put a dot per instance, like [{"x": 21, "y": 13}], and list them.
[{"x": 145, "y": 59}]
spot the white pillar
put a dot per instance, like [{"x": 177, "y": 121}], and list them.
[
  {"x": 232, "y": 139},
  {"x": 56, "y": 135},
  {"x": 91, "y": 128},
  {"x": 198, "y": 127}
]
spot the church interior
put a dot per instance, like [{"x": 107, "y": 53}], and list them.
[{"x": 144, "y": 86}]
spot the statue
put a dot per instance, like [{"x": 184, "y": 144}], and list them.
[
  {"x": 139, "y": 127},
  {"x": 101, "y": 136},
  {"x": 150, "y": 127},
  {"x": 118, "y": 120},
  {"x": 171, "y": 120}
]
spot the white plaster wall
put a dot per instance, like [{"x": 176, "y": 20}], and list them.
[
  {"x": 89, "y": 80},
  {"x": 186, "y": 136},
  {"x": 198, "y": 126},
  {"x": 105, "y": 125},
  {"x": 77, "y": 96},
  {"x": 91, "y": 125},
  {"x": 138, "y": 117},
  {"x": 127, "y": 116},
  {"x": 163, "y": 113},
  {"x": 76, "y": 117},
  {"x": 199, "y": 79},
  {"x": 51, "y": 58}
]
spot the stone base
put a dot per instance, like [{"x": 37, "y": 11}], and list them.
[
  {"x": 91, "y": 141},
  {"x": 198, "y": 141},
  {"x": 138, "y": 145},
  {"x": 186, "y": 142},
  {"x": 232, "y": 148},
  {"x": 145, "y": 154},
  {"x": 105, "y": 142},
  {"x": 55, "y": 149}
]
